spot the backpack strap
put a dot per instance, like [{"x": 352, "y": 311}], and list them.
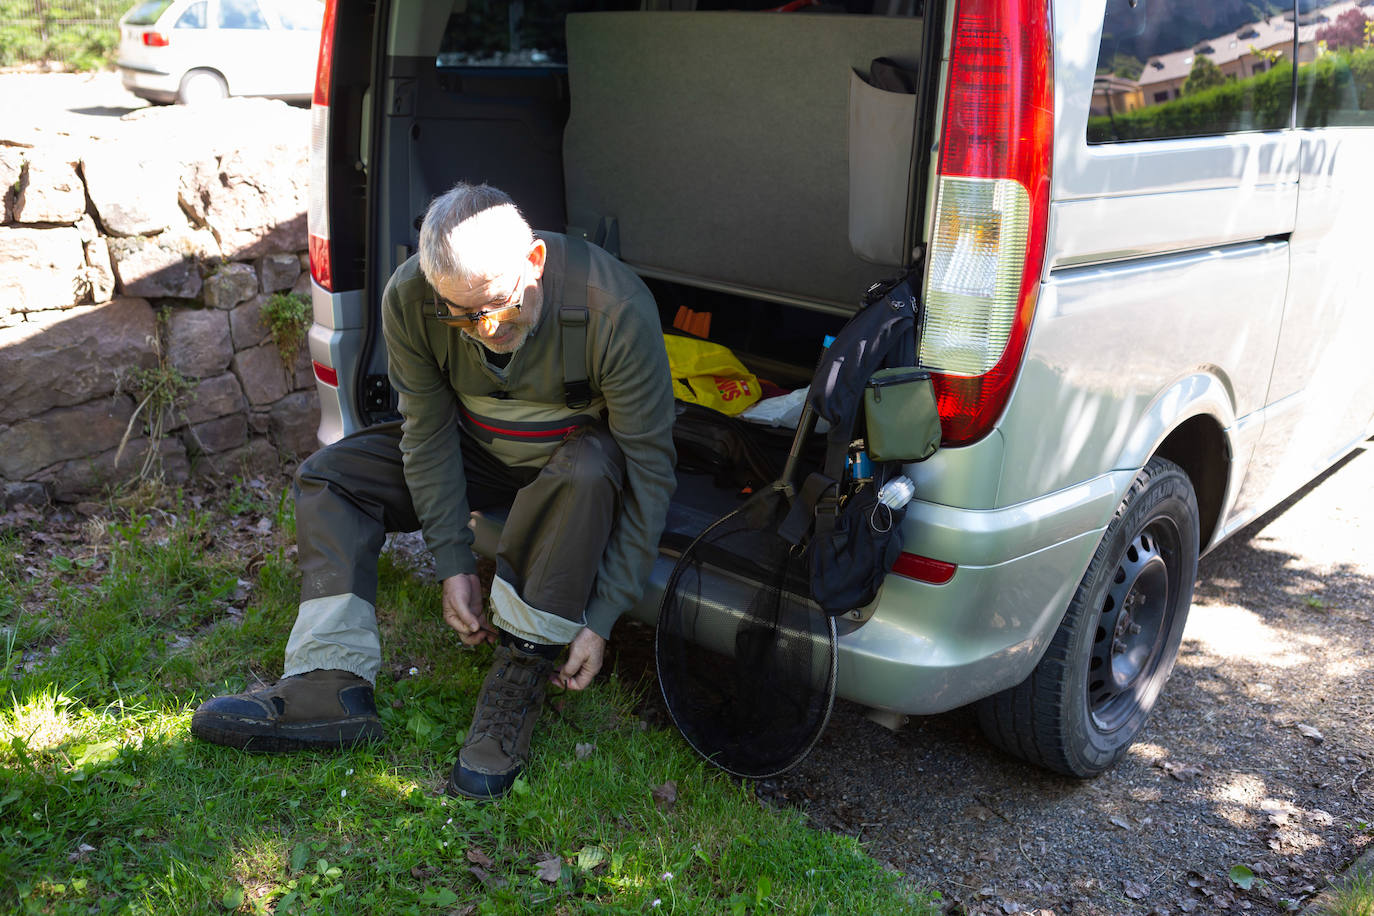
[{"x": 572, "y": 319}]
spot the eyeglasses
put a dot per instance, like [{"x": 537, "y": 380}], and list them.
[{"x": 444, "y": 310}]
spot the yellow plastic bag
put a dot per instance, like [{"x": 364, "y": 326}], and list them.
[{"x": 708, "y": 374}]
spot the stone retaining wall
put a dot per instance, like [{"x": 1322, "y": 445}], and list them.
[{"x": 124, "y": 254}]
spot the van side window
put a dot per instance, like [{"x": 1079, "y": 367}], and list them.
[
  {"x": 1336, "y": 69},
  {"x": 1163, "y": 71}
]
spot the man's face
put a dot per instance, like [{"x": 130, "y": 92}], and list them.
[{"x": 503, "y": 307}]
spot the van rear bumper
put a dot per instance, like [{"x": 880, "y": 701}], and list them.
[{"x": 931, "y": 648}]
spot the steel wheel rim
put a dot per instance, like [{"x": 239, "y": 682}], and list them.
[{"x": 1133, "y": 624}]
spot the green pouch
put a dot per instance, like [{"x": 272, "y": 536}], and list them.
[{"x": 899, "y": 409}]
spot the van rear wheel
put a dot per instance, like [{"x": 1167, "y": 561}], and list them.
[{"x": 1088, "y": 698}]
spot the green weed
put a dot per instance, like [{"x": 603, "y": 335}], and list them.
[{"x": 287, "y": 316}]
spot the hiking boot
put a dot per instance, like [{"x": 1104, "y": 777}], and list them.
[
  {"x": 498, "y": 743},
  {"x": 319, "y": 709}
]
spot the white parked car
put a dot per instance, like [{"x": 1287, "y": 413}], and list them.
[{"x": 192, "y": 51}]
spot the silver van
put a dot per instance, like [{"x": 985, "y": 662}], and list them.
[{"x": 1141, "y": 234}]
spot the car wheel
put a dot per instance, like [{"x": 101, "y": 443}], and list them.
[
  {"x": 1088, "y": 698},
  {"x": 201, "y": 86}
]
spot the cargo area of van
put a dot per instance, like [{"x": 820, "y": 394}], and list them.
[
  {"x": 740, "y": 162},
  {"x": 745, "y": 164}
]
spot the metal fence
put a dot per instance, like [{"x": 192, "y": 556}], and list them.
[{"x": 80, "y": 34}]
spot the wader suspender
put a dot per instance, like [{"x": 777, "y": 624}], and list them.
[{"x": 572, "y": 319}]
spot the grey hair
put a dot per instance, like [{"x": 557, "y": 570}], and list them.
[{"x": 472, "y": 231}]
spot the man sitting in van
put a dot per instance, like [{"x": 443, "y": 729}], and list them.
[{"x": 532, "y": 376}]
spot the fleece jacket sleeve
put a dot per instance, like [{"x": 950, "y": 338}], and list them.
[
  {"x": 631, "y": 367},
  {"x": 430, "y": 445}
]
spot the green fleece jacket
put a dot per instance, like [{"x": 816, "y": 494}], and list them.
[{"x": 431, "y": 364}]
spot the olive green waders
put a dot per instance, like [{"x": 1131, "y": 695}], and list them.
[{"x": 351, "y": 493}]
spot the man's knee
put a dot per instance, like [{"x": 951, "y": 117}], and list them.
[{"x": 590, "y": 458}]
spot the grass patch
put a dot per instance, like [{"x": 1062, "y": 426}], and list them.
[
  {"x": 107, "y": 805},
  {"x": 1354, "y": 897}
]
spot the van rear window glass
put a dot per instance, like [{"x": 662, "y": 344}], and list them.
[
  {"x": 1177, "y": 68},
  {"x": 514, "y": 33},
  {"x": 1336, "y": 79}
]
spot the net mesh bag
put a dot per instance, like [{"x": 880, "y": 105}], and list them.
[{"x": 746, "y": 660}]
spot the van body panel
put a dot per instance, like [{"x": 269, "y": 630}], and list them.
[
  {"x": 987, "y": 537},
  {"x": 1323, "y": 373},
  {"x": 1092, "y": 230},
  {"x": 1121, "y": 354}
]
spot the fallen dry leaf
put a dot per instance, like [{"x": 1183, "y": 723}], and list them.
[
  {"x": 1120, "y": 822},
  {"x": 665, "y": 796},
  {"x": 422, "y": 872},
  {"x": 550, "y": 870},
  {"x": 478, "y": 857},
  {"x": 1308, "y": 731},
  {"x": 487, "y": 879},
  {"x": 83, "y": 852},
  {"x": 1179, "y": 771}
]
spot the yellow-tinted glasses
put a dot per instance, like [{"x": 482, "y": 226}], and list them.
[{"x": 451, "y": 315}]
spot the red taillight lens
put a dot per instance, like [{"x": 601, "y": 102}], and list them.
[
  {"x": 317, "y": 220},
  {"x": 325, "y": 374},
  {"x": 992, "y": 206},
  {"x": 324, "y": 65},
  {"x": 155, "y": 39},
  {"x": 319, "y": 261},
  {"x": 922, "y": 569}
]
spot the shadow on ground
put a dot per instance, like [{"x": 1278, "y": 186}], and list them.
[{"x": 1259, "y": 754}]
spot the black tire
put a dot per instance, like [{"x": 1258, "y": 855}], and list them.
[
  {"x": 1089, "y": 697},
  {"x": 200, "y": 86}
]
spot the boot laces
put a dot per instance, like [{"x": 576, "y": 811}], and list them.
[{"x": 509, "y": 698}]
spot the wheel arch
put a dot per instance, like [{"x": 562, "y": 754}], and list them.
[
  {"x": 214, "y": 71},
  {"x": 1191, "y": 423},
  {"x": 1199, "y": 446}
]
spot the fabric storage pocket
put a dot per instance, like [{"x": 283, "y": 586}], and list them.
[
  {"x": 882, "y": 127},
  {"x": 900, "y": 413}
]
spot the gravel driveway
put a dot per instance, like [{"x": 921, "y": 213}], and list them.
[{"x": 1260, "y": 752}]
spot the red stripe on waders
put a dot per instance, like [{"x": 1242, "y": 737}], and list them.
[{"x": 560, "y": 433}]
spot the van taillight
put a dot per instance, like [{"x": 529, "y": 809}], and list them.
[
  {"x": 155, "y": 39},
  {"x": 318, "y": 218},
  {"x": 991, "y": 208}
]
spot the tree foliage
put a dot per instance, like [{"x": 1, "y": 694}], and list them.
[
  {"x": 1204, "y": 75},
  {"x": 83, "y": 34},
  {"x": 1348, "y": 31}
]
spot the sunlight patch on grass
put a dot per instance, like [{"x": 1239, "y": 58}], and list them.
[{"x": 41, "y": 723}]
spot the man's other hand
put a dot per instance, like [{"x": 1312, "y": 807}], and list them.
[
  {"x": 585, "y": 655},
  {"x": 463, "y": 609}
]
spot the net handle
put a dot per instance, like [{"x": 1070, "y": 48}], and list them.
[{"x": 804, "y": 424}]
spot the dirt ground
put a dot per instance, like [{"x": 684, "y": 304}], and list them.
[{"x": 1260, "y": 753}]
